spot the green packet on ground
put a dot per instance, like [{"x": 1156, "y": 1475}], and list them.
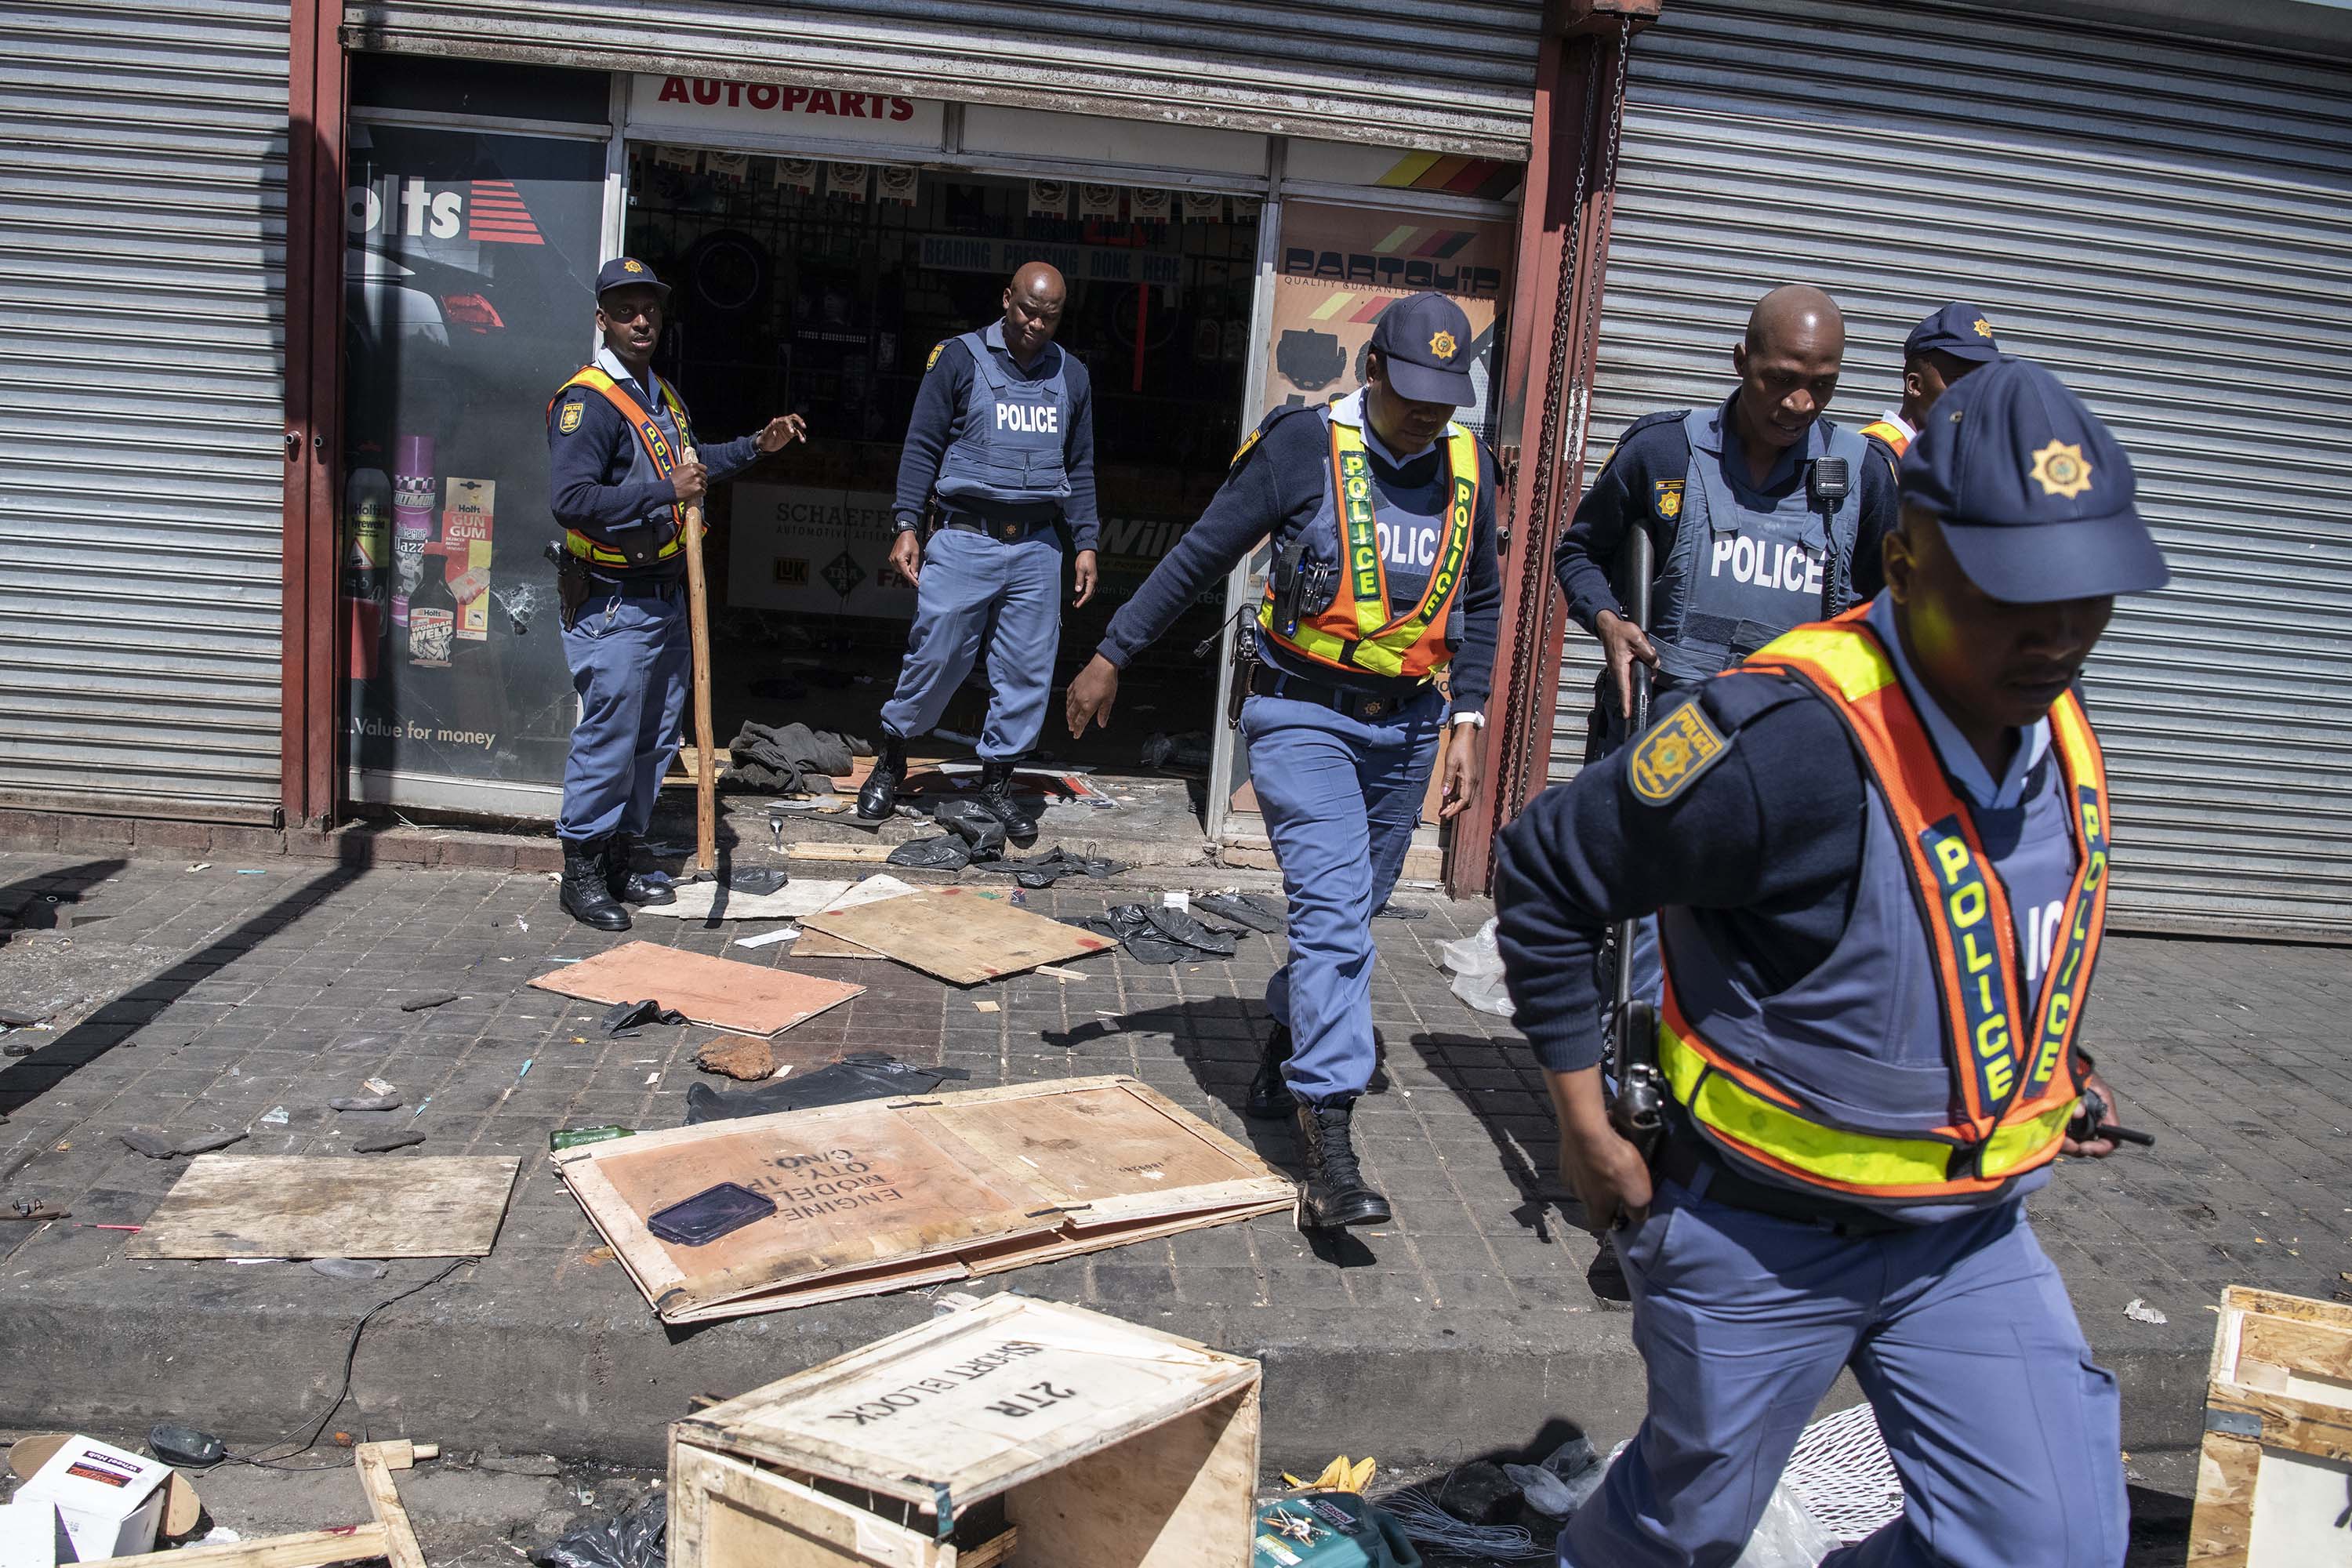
[
  {"x": 573, "y": 1137},
  {"x": 1330, "y": 1530}
]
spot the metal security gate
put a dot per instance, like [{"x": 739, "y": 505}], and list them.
[
  {"x": 1456, "y": 76},
  {"x": 2164, "y": 221},
  {"x": 142, "y": 199}
]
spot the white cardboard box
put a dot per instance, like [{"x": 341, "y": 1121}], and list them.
[
  {"x": 112, "y": 1500},
  {"x": 31, "y": 1535}
]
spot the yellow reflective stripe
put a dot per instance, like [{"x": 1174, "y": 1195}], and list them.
[
  {"x": 1359, "y": 538},
  {"x": 1853, "y": 1159},
  {"x": 1848, "y": 657},
  {"x": 2018, "y": 1143}
]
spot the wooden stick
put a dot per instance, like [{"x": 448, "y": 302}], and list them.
[
  {"x": 706, "y": 768},
  {"x": 316, "y": 1548},
  {"x": 375, "y": 1462}
]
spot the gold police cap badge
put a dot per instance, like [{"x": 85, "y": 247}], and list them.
[
  {"x": 1666, "y": 498},
  {"x": 1669, "y": 758},
  {"x": 633, "y": 265},
  {"x": 2061, "y": 470},
  {"x": 1443, "y": 345},
  {"x": 1981, "y": 327},
  {"x": 569, "y": 420}
]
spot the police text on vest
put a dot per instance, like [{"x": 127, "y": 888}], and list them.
[
  {"x": 1031, "y": 418},
  {"x": 1766, "y": 564}
]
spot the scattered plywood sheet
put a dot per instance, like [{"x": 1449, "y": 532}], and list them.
[
  {"x": 229, "y": 1206},
  {"x": 885, "y": 1194},
  {"x": 958, "y": 934},
  {"x": 2271, "y": 1476},
  {"x": 715, "y": 901},
  {"x": 873, "y": 890},
  {"x": 748, "y": 998}
]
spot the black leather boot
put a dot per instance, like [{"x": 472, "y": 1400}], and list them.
[
  {"x": 996, "y": 799},
  {"x": 878, "y": 796},
  {"x": 586, "y": 898},
  {"x": 1269, "y": 1095},
  {"x": 628, "y": 884},
  {"x": 1335, "y": 1192}
]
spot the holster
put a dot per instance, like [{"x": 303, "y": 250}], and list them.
[
  {"x": 1245, "y": 666},
  {"x": 571, "y": 586}
]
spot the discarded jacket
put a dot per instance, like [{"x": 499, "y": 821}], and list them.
[{"x": 793, "y": 760}]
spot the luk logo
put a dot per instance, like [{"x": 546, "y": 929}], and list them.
[{"x": 486, "y": 211}]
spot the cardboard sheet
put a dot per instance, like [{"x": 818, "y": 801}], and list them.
[
  {"x": 714, "y": 900},
  {"x": 958, "y": 934},
  {"x": 230, "y": 1205},
  {"x": 749, "y": 998},
  {"x": 885, "y": 1194}
]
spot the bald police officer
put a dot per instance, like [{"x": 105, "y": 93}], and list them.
[
  {"x": 1940, "y": 350},
  {"x": 1748, "y": 540},
  {"x": 1382, "y": 510},
  {"x": 620, "y": 484},
  {"x": 1880, "y": 849},
  {"x": 1003, "y": 438}
]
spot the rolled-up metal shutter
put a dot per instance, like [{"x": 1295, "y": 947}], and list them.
[
  {"x": 2164, "y": 222},
  {"x": 1451, "y": 76},
  {"x": 142, "y": 260}
]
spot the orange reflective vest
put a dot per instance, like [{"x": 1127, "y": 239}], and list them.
[
  {"x": 2011, "y": 1057},
  {"x": 657, "y": 451},
  {"x": 1893, "y": 435},
  {"x": 1360, "y": 630}
]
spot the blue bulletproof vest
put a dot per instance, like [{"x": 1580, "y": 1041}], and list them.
[
  {"x": 1008, "y": 447},
  {"x": 1863, "y": 1033},
  {"x": 1744, "y": 566}
]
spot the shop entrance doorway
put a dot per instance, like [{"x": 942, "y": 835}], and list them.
[{"x": 820, "y": 289}]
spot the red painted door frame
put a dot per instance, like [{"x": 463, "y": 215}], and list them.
[
  {"x": 1577, "y": 120},
  {"x": 317, "y": 92}
]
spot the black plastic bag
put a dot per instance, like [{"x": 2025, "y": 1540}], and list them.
[
  {"x": 634, "y": 1540},
  {"x": 868, "y": 1075}
]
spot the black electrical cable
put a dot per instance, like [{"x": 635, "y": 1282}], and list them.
[{"x": 350, "y": 1363}]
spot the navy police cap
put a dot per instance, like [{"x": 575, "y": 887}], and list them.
[
  {"x": 2034, "y": 493},
  {"x": 627, "y": 272},
  {"x": 1425, "y": 342},
  {"x": 1961, "y": 331}
]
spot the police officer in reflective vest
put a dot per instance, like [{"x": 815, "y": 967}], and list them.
[
  {"x": 620, "y": 485},
  {"x": 1880, "y": 848},
  {"x": 1940, "y": 350},
  {"x": 1748, "y": 538},
  {"x": 1003, "y": 442},
  {"x": 1382, "y": 510}
]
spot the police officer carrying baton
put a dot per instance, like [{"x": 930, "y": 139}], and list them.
[
  {"x": 620, "y": 481},
  {"x": 1762, "y": 513},
  {"x": 1003, "y": 441},
  {"x": 1940, "y": 350},
  {"x": 1880, "y": 849},
  {"x": 1382, "y": 510}
]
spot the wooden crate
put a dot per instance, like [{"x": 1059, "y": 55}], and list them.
[
  {"x": 1067, "y": 1438},
  {"x": 2274, "y": 1476}
]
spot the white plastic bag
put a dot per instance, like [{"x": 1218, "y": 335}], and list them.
[
  {"x": 1788, "y": 1536},
  {"x": 1478, "y": 968}
]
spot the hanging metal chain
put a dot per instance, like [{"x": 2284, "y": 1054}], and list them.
[{"x": 1538, "y": 620}]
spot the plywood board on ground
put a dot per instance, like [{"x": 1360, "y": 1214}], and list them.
[
  {"x": 885, "y": 1194},
  {"x": 2273, "y": 1474},
  {"x": 716, "y": 900},
  {"x": 230, "y": 1205},
  {"x": 746, "y": 997},
  {"x": 958, "y": 934}
]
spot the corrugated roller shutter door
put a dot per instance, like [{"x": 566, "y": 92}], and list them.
[
  {"x": 2165, "y": 223},
  {"x": 1454, "y": 76},
  {"x": 142, "y": 254}
]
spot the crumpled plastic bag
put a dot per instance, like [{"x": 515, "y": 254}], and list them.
[
  {"x": 945, "y": 853},
  {"x": 634, "y": 1540},
  {"x": 865, "y": 1075},
  {"x": 1476, "y": 965},
  {"x": 1560, "y": 1486},
  {"x": 1788, "y": 1536}
]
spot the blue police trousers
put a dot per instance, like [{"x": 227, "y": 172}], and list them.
[
  {"x": 2007, "y": 1437},
  {"x": 631, "y": 658},
  {"x": 1341, "y": 797},
  {"x": 976, "y": 589}
]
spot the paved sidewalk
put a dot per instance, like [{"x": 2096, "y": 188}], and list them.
[{"x": 205, "y": 998}]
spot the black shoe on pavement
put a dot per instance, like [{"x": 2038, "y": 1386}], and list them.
[
  {"x": 1335, "y": 1192},
  {"x": 585, "y": 896},
  {"x": 996, "y": 799},
  {"x": 1269, "y": 1095},
  {"x": 628, "y": 884},
  {"x": 879, "y": 796}
]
